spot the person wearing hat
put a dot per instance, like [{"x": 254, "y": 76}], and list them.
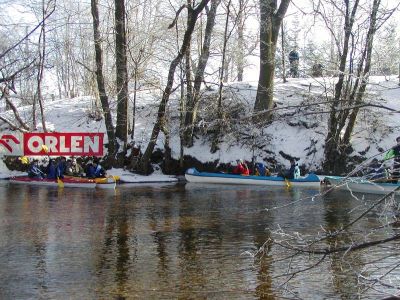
[{"x": 241, "y": 168}]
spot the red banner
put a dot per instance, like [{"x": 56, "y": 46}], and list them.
[{"x": 68, "y": 144}]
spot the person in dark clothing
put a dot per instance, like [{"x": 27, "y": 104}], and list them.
[
  {"x": 95, "y": 170},
  {"x": 293, "y": 172},
  {"x": 51, "y": 169},
  {"x": 375, "y": 171},
  {"x": 294, "y": 63},
  {"x": 34, "y": 170},
  {"x": 90, "y": 170},
  {"x": 74, "y": 168},
  {"x": 394, "y": 153},
  {"x": 99, "y": 170},
  {"x": 61, "y": 167},
  {"x": 261, "y": 170}
]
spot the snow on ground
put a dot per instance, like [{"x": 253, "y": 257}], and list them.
[
  {"x": 128, "y": 177},
  {"x": 376, "y": 128}
]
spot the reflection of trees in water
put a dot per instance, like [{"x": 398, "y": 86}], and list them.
[
  {"x": 160, "y": 223},
  {"x": 264, "y": 289},
  {"x": 350, "y": 239},
  {"x": 191, "y": 267},
  {"x": 24, "y": 238},
  {"x": 117, "y": 253},
  {"x": 344, "y": 268}
]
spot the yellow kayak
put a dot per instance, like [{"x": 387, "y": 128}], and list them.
[{"x": 108, "y": 179}]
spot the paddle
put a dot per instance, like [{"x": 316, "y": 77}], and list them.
[
  {"x": 288, "y": 184},
  {"x": 60, "y": 183}
]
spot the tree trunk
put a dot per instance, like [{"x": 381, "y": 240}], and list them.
[
  {"x": 144, "y": 165},
  {"x": 194, "y": 98},
  {"x": 365, "y": 75},
  {"x": 240, "y": 42},
  {"x": 121, "y": 131},
  {"x": 333, "y": 152},
  {"x": 283, "y": 53},
  {"x": 100, "y": 81},
  {"x": 270, "y": 21},
  {"x": 42, "y": 54},
  {"x": 6, "y": 95},
  {"x": 220, "y": 114}
]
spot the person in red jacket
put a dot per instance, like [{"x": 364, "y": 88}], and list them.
[{"x": 241, "y": 168}]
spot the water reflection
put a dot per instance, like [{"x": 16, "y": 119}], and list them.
[{"x": 160, "y": 242}]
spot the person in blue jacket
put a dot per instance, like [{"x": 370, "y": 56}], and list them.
[
  {"x": 261, "y": 170},
  {"x": 51, "y": 169},
  {"x": 61, "y": 167},
  {"x": 95, "y": 170}
]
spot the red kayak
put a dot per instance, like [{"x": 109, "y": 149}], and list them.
[{"x": 65, "y": 182}]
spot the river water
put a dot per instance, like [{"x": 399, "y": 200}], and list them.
[{"x": 182, "y": 241}]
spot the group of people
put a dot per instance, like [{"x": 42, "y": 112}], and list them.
[
  {"x": 261, "y": 170},
  {"x": 376, "y": 170},
  {"x": 58, "y": 168}
]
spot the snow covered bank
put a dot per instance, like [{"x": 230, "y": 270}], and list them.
[{"x": 299, "y": 128}]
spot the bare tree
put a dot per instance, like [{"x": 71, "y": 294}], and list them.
[
  {"x": 100, "y": 81},
  {"x": 194, "y": 12},
  {"x": 47, "y": 9},
  {"x": 193, "y": 94},
  {"x": 351, "y": 85},
  {"x": 18, "y": 63}
]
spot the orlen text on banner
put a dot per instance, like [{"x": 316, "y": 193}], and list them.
[{"x": 68, "y": 143}]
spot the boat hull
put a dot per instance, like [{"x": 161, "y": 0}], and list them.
[
  {"x": 66, "y": 182},
  {"x": 192, "y": 175},
  {"x": 359, "y": 185},
  {"x": 109, "y": 182}
]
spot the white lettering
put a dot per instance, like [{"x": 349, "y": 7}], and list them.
[
  {"x": 76, "y": 143},
  {"x": 63, "y": 149},
  {"x": 51, "y": 143},
  {"x": 93, "y": 145},
  {"x": 35, "y": 144}
]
